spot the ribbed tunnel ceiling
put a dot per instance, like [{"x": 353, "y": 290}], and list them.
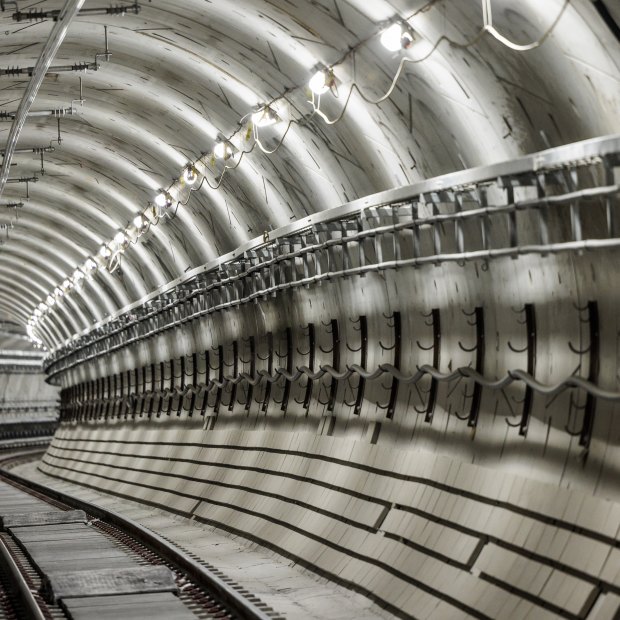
[{"x": 183, "y": 73}]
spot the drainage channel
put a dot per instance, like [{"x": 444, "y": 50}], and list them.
[{"x": 63, "y": 557}]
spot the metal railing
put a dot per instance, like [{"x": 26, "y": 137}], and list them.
[{"x": 530, "y": 205}]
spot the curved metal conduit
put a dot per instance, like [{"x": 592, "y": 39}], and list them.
[
  {"x": 389, "y": 215},
  {"x": 57, "y": 36},
  {"x": 389, "y": 370}
]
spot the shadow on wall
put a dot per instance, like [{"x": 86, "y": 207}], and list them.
[{"x": 354, "y": 376}]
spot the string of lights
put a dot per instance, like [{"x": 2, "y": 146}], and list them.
[{"x": 228, "y": 153}]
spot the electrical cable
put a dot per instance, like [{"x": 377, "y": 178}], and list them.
[{"x": 315, "y": 101}]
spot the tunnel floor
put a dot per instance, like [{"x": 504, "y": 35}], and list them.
[{"x": 291, "y": 590}]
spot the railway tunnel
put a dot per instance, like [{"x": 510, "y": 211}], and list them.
[{"x": 323, "y": 295}]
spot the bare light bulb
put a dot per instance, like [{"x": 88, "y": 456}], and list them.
[
  {"x": 321, "y": 81},
  {"x": 138, "y": 221},
  {"x": 119, "y": 238},
  {"x": 190, "y": 175},
  {"x": 220, "y": 150},
  {"x": 104, "y": 251},
  {"x": 162, "y": 199},
  {"x": 396, "y": 38}
]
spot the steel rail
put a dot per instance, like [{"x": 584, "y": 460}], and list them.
[
  {"x": 156, "y": 543},
  {"x": 16, "y": 577}
]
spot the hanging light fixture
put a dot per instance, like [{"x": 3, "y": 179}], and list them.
[
  {"x": 322, "y": 81},
  {"x": 190, "y": 174},
  {"x": 224, "y": 149},
  {"x": 89, "y": 266},
  {"x": 120, "y": 239},
  {"x": 265, "y": 116},
  {"x": 139, "y": 221},
  {"x": 163, "y": 199},
  {"x": 396, "y": 37}
]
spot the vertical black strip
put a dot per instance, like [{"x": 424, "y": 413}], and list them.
[
  {"x": 530, "y": 324},
  {"x": 476, "y": 398},
  {"x": 233, "y": 390},
  {"x": 265, "y": 403},
  {"x": 311, "y": 358},
  {"x": 595, "y": 349},
  {"x": 333, "y": 390},
  {"x": 218, "y": 396},
  {"x": 361, "y": 385},
  {"x": 397, "y": 354},
  {"x": 181, "y": 387},
  {"x": 432, "y": 394},
  {"x": 171, "y": 387},
  {"x": 205, "y": 397},
  {"x": 248, "y": 400},
  {"x": 192, "y": 400},
  {"x": 289, "y": 369},
  {"x": 160, "y": 397}
]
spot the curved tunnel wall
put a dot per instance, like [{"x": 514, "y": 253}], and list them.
[
  {"x": 278, "y": 330},
  {"x": 366, "y": 483},
  {"x": 28, "y": 404},
  {"x": 428, "y": 497},
  {"x": 549, "y": 315},
  {"x": 459, "y": 108}
]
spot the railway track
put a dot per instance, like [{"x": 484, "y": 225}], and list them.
[{"x": 62, "y": 557}]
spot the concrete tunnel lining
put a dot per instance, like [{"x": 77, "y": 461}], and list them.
[{"x": 289, "y": 420}]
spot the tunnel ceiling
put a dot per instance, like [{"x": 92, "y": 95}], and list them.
[{"x": 183, "y": 73}]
